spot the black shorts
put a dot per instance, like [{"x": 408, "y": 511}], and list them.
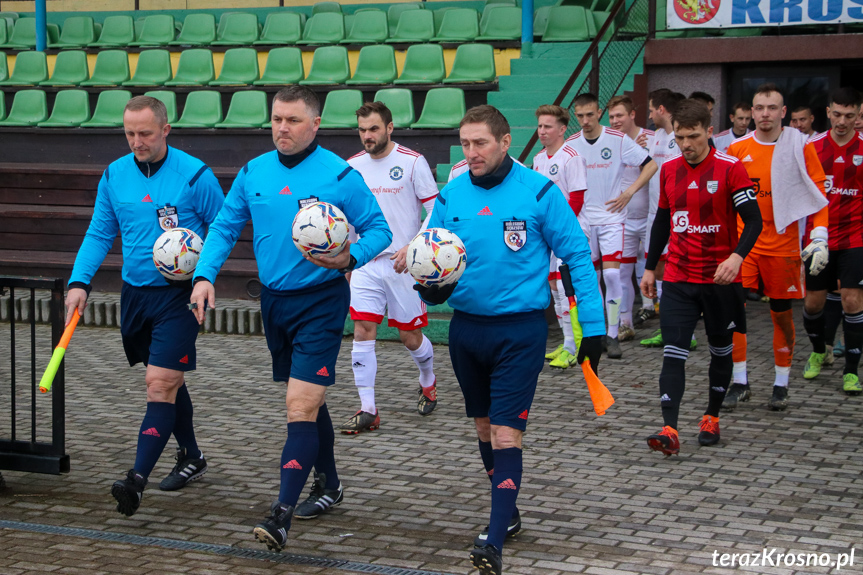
[
  {"x": 157, "y": 326},
  {"x": 844, "y": 269},
  {"x": 682, "y": 304}
]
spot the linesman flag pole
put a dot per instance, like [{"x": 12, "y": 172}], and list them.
[
  {"x": 599, "y": 394},
  {"x": 48, "y": 378}
]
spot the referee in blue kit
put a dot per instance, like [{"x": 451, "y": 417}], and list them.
[
  {"x": 510, "y": 218},
  {"x": 304, "y": 301}
]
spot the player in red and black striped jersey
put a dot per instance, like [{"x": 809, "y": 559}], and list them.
[
  {"x": 840, "y": 151},
  {"x": 701, "y": 194}
]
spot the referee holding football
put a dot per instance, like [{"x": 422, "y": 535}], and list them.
[
  {"x": 304, "y": 301},
  {"x": 141, "y": 195},
  {"x": 510, "y": 218}
]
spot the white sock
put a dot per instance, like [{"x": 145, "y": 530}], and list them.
[
  {"x": 628, "y": 297},
  {"x": 781, "y": 375},
  {"x": 559, "y": 298},
  {"x": 658, "y": 289},
  {"x": 613, "y": 296},
  {"x": 566, "y": 321},
  {"x": 738, "y": 373},
  {"x": 365, "y": 366},
  {"x": 424, "y": 358}
]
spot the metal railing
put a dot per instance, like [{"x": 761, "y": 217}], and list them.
[
  {"x": 24, "y": 451},
  {"x": 607, "y": 60}
]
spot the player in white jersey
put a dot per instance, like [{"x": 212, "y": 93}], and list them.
[
  {"x": 607, "y": 152},
  {"x": 621, "y": 116},
  {"x": 741, "y": 117},
  {"x": 402, "y": 183},
  {"x": 563, "y": 166}
]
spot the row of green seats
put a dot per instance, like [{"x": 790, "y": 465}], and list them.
[
  {"x": 443, "y": 108},
  {"x": 424, "y": 64}
]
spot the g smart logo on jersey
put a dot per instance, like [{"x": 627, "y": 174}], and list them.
[
  {"x": 396, "y": 173},
  {"x": 515, "y": 234},
  {"x": 680, "y": 221},
  {"x": 606, "y": 153},
  {"x": 553, "y": 170},
  {"x": 828, "y": 184}
]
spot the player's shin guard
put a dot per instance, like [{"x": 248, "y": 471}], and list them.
[
  {"x": 326, "y": 460},
  {"x": 487, "y": 455},
  {"x": 672, "y": 381},
  {"x": 423, "y": 356},
  {"x": 719, "y": 373},
  {"x": 814, "y": 325},
  {"x": 738, "y": 356},
  {"x": 559, "y": 298},
  {"x": 783, "y": 336},
  {"x": 156, "y": 429},
  {"x": 853, "y": 326},
  {"x": 613, "y": 295},
  {"x": 184, "y": 430},
  {"x": 833, "y": 314},
  {"x": 627, "y": 293},
  {"x": 504, "y": 492},
  {"x": 365, "y": 365},
  {"x": 565, "y": 320},
  {"x": 298, "y": 456}
]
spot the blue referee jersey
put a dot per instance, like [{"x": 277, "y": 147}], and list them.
[
  {"x": 129, "y": 202},
  {"x": 509, "y": 232},
  {"x": 271, "y": 194}
]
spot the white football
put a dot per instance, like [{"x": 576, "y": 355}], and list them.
[
  {"x": 176, "y": 253},
  {"x": 320, "y": 229},
  {"x": 436, "y": 256}
]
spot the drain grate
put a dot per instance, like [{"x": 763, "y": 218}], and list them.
[{"x": 286, "y": 558}]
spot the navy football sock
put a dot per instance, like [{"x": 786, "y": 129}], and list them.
[
  {"x": 487, "y": 455},
  {"x": 326, "y": 461},
  {"x": 833, "y": 314},
  {"x": 298, "y": 456},
  {"x": 184, "y": 430},
  {"x": 504, "y": 492},
  {"x": 156, "y": 429},
  {"x": 853, "y": 326}
]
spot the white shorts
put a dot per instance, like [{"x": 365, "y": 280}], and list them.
[
  {"x": 634, "y": 240},
  {"x": 650, "y": 218},
  {"x": 606, "y": 240},
  {"x": 377, "y": 290}
]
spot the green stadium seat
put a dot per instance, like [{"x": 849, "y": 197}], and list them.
[
  {"x": 458, "y": 25},
  {"x": 11, "y": 15},
  {"x": 281, "y": 28},
  {"x": 153, "y": 69},
  {"x": 601, "y": 5},
  {"x": 329, "y": 66},
  {"x": 400, "y": 101},
  {"x": 324, "y": 7},
  {"x": 70, "y": 69},
  {"x": 53, "y": 33},
  {"x": 116, "y": 31},
  {"x": 199, "y": 29},
  {"x": 340, "y": 109},
  {"x": 414, "y": 26},
  {"x": 28, "y": 108},
  {"x": 4, "y": 67},
  {"x": 424, "y": 64},
  {"x": 77, "y": 32},
  {"x": 438, "y": 17},
  {"x": 473, "y": 63},
  {"x": 168, "y": 98},
  {"x": 203, "y": 109},
  {"x": 30, "y": 69},
  {"x": 23, "y": 35},
  {"x": 111, "y": 69},
  {"x": 540, "y": 20},
  {"x": 247, "y": 110},
  {"x": 194, "y": 69},
  {"x": 375, "y": 65},
  {"x": 443, "y": 108},
  {"x": 109, "y": 109},
  {"x": 5, "y": 32},
  {"x": 395, "y": 11},
  {"x": 369, "y": 27},
  {"x": 71, "y": 109},
  {"x": 139, "y": 26},
  {"x": 2, "y": 105},
  {"x": 324, "y": 28},
  {"x": 239, "y": 68},
  {"x": 240, "y": 29},
  {"x": 284, "y": 66},
  {"x": 567, "y": 24},
  {"x": 599, "y": 19},
  {"x": 158, "y": 30},
  {"x": 500, "y": 23}
]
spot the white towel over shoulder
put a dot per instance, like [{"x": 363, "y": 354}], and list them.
[{"x": 795, "y": 195}]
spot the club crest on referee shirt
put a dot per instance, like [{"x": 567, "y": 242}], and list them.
[
  {"x": 396, "y": 173},
  {"x": 553, "y": 170},
  {"x": 712, "y": 186},
  {"x": 857, "y": 159},
  {"x": 515, "y": 234}
]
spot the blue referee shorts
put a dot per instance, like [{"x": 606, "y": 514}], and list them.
[
  {"x": 497, "y": 360},
  {"x": 304, "y": 330},
  {"x": 157, "y": 326}
]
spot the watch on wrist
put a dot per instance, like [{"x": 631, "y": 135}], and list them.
[{"x": 350, "y": 267}]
